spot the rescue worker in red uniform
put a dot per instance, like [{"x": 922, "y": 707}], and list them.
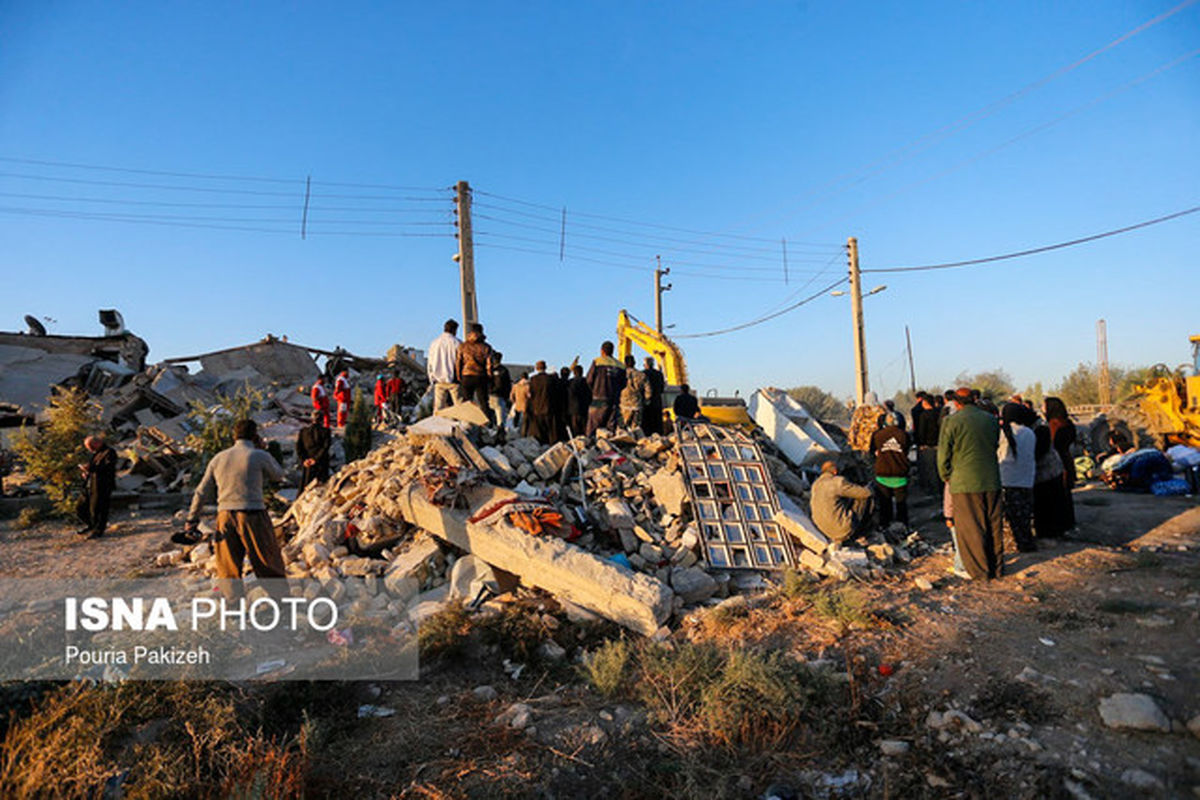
[
  {"x": 320, "y": 400},
  {"x": 395, "y": 388},
  {"x": 380, "y": 396},
  {"x": 341, "y": 393}
]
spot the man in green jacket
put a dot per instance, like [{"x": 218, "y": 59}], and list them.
[{"x": 967, "y": 462}]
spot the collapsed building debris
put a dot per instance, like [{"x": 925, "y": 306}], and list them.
[{"x": 624, "y": 528}]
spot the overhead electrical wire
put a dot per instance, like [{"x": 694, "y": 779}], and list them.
[
  {"x": 921, "y": 143},
  {"x": 212, "y": 176},
  {"x": 767, "y": 317},
  {"x": 642, "y": 224},
  {"x": 1024, "y": 134},
  {"x": 1035, "y": 250}
]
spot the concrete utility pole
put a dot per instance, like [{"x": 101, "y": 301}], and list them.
[
  {"x": 466, "y": 256},
  {"x": 1102, "y": 361},
  {"x": 658, "y": 292},
  {"x": 861, "y": 386}
]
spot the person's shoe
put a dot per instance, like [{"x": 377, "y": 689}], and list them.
[
  {"x": 83, "y": 531},
  {"x": 960, "y": 573},
  {"x": 94, "y": 535}
]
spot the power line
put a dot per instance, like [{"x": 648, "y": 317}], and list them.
[
  {"x": 1035, "y": 250},
  {"x": 649, "y": 246},
  {"x": 645, "y": 224},
  {"x": 211, "y": 176},
  {"x": 1024, "y": 134},
  {"x": 767, "y": 317},
  {"x": 658, "y": 237},
  {"x": 921, "y": 143}
]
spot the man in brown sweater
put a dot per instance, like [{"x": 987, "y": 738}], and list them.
[
  {"x": 474, "y": 369},
  {"x": 841, "y": 509}
]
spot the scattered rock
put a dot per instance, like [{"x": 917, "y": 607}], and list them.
[
  {"x": 1134, "y": 711},
  {"x": 923, "y": 584},
  {"x": 1141, "y": 779},
  {"x": 693, "y": 584},
  {"x": 485, "y": 693},
  {"x": 893, "y": 747}
]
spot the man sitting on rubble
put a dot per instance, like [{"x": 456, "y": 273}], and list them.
[
  {"x": 841, "y": 509},
  {"x": 244, "y": 528},
  {"x": 100, "y": 477}
]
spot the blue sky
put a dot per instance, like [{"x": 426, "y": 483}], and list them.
[{"x": 750, "y": 120}]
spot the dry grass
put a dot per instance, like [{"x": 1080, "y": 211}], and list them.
[{"x": 147, "y": 740}]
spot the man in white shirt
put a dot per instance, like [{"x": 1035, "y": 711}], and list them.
[{"x": 440, "y": 366}]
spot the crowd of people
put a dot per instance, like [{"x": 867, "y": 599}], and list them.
[
  {"x": 999, "y": 471},
  {"x": 550, "y": 405}
]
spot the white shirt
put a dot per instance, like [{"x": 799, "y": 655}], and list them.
[
  {"x": 1018, "y": 469},
  {"x": 440, "y": 362}
]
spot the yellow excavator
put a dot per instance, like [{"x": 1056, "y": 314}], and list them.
[
  {"x": 1171, "y": 401},
  {"x": 631, "y": 331}
]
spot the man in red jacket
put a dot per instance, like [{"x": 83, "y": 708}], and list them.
[
  {"x": 395, "y": 388},
  {"x": 341, "y": 393},
  {"x": 320, "y": 400}
]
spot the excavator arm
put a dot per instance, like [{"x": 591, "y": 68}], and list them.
[{"x": 631, "y": 331}]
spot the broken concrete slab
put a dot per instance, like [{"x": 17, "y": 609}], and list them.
[
  {"x": 796, "y": 523},
  {"x": 693, "y": 584},
  {"x": 669, "y": 490},
  {"x": 637, "y": 601},
  {"x": 551, "y": 462},
  {"x": 464, "y": 412}
]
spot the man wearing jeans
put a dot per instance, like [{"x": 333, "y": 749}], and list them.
[{"x": 440, "y": 365}]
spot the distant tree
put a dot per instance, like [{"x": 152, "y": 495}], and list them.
[
  {"x": 53, "y": 453},
  {"x": 994, "y": 384},
  {"x": 820, "y": 403},
  {"x": 1081, "y": 386},
  {"x": 1034, "y": 393}
]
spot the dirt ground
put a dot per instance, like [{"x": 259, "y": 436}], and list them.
[{"x": 1027, "y": 659}]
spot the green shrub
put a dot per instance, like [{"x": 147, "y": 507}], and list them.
[
  {"x": 846, "y": 606},
  {"x": 358, "y": 428},
  {"x": 215, "y": 424},
  {"x": 29, "y": 516},
  {"x": 53, "y": 454},
  {"x": 606, "y": 667}
]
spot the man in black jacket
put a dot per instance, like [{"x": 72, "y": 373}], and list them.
[
  {"x": 312, "y": 451},
  {"x": 652, "y": 418},
  {"x": 579, "y": 397},
  {"x": 541, "y": 405},
  {"x": 99, "y": 476}
]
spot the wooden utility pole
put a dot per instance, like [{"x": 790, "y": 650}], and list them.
[
  {"x": 1102, "y": 361},
  {"x": 861, "y": 386},
  {"x": 466, "y": 256},
  {"x": 658, "y": 292},
  {"x": 912, "y": 372}
]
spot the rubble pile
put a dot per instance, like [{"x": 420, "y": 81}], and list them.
[{"x": 447, "y": 509}]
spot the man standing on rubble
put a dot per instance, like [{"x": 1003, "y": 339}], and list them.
[
  {"x": 579, "y": 397},
  {"x": 320, "y": 400},
  {"x": 540, "y": 411},
  {"x": 606, "y": 379},
  {"x": 440, "y": 365},
  {"x": 926, "y": 427},
  {"x": 652, "y": 420},
  {"x": 100, "y": 477},
  {"x": 395, "y": 392},
  {"x": 634, "y": 395},
  {"x": 380, "y": 396},
  {"x": 968, "y": 462},
  {"x": 244, "y": 528},
  {"x": 341, "y": 393},
  {"x": 501, "y": 388},
  {"x": 474, "y": 370},
  {"x": 312, "y": 451}
]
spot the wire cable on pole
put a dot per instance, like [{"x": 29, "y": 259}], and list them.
[
  {"x": 767, "y": 317},
  {"x": 1035, "y": 250}
]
